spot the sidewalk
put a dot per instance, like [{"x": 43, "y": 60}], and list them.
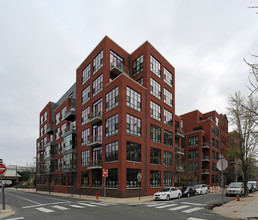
[{"x": 246, "y": 208}]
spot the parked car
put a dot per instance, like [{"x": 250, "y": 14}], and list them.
[
  {"x": 188, "y": 191},
  {"x": 167, "y": 193},
  {"x": 254, "y": 183},
  {"x": 201, "y": 189},
  {"x": 250, "y": 187},
  {"x": 235, "y": 188}
]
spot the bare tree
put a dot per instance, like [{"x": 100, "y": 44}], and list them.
[
  {"x": 246, "y": 128},
  {"x": 253, "y": 76}
]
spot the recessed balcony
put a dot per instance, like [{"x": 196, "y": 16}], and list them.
[
  {"x": 179, "y": 169},
  {"x": 49, "y": 144},
  {"x": 205, "y": 171},
  {"x": 70, "y": 114},
  {"x": 205, "y": 158},
  {"x": 95, "y": 141},
  {"x": 95, "y": 118},
  {"x": 116, "y": 69},
  {"x": 94, "y": 164},
  {"x": 180, "y": 151},
  {"x": 70, "y": 130},
  {"x": 50, "y": 129},
  {"x": 205, "y": 146},
  {"x": 180, "y": 133}
]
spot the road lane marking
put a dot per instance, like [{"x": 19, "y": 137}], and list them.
[
  {"x": 165, "y": 206},
  {"x": 60, "y": 207},
  {"x": 98, "y": 203},
  {"x": 152, "y": 205},
  {"x": 14, "y": 218},
  {"x": 53, "y": 203},
  {"x": 191, "y": 203},
  {"x": 77, "y": 206},
  {"x": 179, "y": 207},
  {"x": 24, "y": 199},
  {"x": 42, "y": 209},
  {"x": 90, "y": 205},
  {"x": 191, "y": 218},
  {"x": 192, "y": 210}
]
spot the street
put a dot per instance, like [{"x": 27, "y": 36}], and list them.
[{"x": 31, "y": 206}]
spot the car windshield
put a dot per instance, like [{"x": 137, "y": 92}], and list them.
[
  {"x": 234, "y": 185},
  {"x": 164, "y": 190},
  {"x": 197, "y": 187},
  {"x": 249, "y": 184}
]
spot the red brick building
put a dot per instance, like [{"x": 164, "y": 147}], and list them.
[
  {"x": 119, "y": 115},
  {"x": 206, "y": 138}
]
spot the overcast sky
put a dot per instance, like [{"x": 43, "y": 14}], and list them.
[{"x": 43, "y": 42}]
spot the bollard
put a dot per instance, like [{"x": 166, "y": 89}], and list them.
[
  {"x": 238, "y": 197},
  {"x": 97, "y": 196}
]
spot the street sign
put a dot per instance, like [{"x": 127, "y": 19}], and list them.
[
  {"x": 105, "y": 172},
  {"x": 139, "y": 177},
  {"x": 2, "y": 168},
  {"x": 222, "y": 164}
]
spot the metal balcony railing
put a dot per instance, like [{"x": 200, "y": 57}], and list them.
[
  {"x": 205, "y": 145},
  {"x": 94, "y": 164},
  {"x": 95, "y": 141},
  {"x": 95, "y": 117},
  {"x": 180, "y": 133},
  {"x": 70, "y": 114},
  {"x": 179, "y": 151},
  {"x": 118, "y": 68},
  {"x": 205, "y": 158}
]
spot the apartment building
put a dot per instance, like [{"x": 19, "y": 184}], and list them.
[
  {"x": 120, "y": 116},
  {"x": 205, "y": 140}
]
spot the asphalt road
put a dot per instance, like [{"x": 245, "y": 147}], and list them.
[{"x": 31, "y": 206}]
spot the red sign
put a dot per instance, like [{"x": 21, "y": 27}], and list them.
[
  {"x": 2, "y": 168},
  {"x": 105, "y": 172}
]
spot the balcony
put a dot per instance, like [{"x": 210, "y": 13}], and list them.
[
  {"x": 205, "y": 171},
  {"x": 180, "y": 133},
  {"x": 179, "y": 151},
  {"x": 50, "y": 129},
  {"x": 70, "y": 130},
  {"x": 205, "y": 158},
  {"x": 116, "y": 69},
  {"x": 70, "y": 168},
  {"x": 49, "y": 144},
  {"x": 205, "y": 146},
  {"x": 70, "y": 114},
  {"x": 94, "y": 164},
  {"x": 179, "y": 169},
  {"x": 95, "y": 118},
  {"x": 95, "y": 141},
  {"x": 40, "y": 148}
]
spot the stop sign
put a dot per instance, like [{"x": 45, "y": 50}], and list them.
[
  {"x": 2, "y": 168},
  {"x": 222, "y": 164},
  {"x": 105, "y": 172}
]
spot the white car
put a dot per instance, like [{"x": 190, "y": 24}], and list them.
[
  {"x": 201, "y": 189},
  {"x": 235, "y": 188},
  {"x": 167, "y": 193},
  {"x": 254, "y": 183}
]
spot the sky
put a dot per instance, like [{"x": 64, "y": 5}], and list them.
[{"x": 43, "y": 42}]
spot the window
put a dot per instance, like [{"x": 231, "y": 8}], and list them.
[
  {"x": 58, "y": 118},
  {"x": 155, "y": 88},
  {"x": 112, "y": 99},
  {"x": 86, "y": 95},
  {"x": 63, "y": 112},
  {"x": 217, "y": 132},
  {"x": 86, "y": 74},
  {"x": 41, "y": 120},
  {"x": 112, "y": 125},
  {"x": 112, "y": 179},
  {"x": 193, "y": 154},
  {"x": 45, "y": 128},
  {"x": 168, "y": 158},
  {"x": 155, "y": 111},
  {"x": 168, "y": 136},
  {"x": 217, "y": 156},
  {"x": 97, "y": 108},
  {"x": 133, "y": 151},
  {"x": 217, "y": 144},
  {"x": 168, "y": 117},
  {"x": 133, "y": 99},
  {"x": 85, "y": 136},
  {"x": 168, "y": 98},
  {"x": 193, "y": 141},
  {"x": 131, "y": 178},
  {"x": 213, "y": 142},
  {"x": 57, "y": 164},
  {"x": 85, "y": 179},
  {"x": 112, "y": 151},
  {"x": 193, "y": 166},
  {"x": 155, "y": 133},
  {"x": 45, "y": 116},
  {"x": 57, "y": 179},
  {"x": 116, "y": 61},
  {"x": 63, "y": 129},
  {"x": 57, "y": 149},
  {"x": 213, "y": 155},
  {"x": 155, "y": 66},
  {"x": 97, "y": 85},
  {"x": 213, "y": 167},
  {"x": 213, "y": 130},
  {"x": 168, "y": 77},
  {"x": 69, "y": 161},
  {"x": 85, "y": 157},
  {"x": 63, "y": 179},
  {"x": 155, "y": 156},
  {"x": 97, "y": 62},
  {"x": 97, "y": 178},
  {"x": 138, "y": 65},
  {"x": 140, "y": 81},
  {"x": 155, "y": 178},
  {"x": 133, "y": 125},
  {"x": 57, "y": 133},
  {"x": 69, "y": 142},
  {"x": 85, "y": 115},
  {"x": 167, "y": 178}
]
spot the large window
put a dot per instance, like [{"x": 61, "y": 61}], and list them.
[
  {"x": 155, "y": 133},
  {"x": 116, "y": 61},
  {"x": 133, "y": 151},
  {"x": 86, "y": 74},
  {"x": 97, "y": 107},
  {"x": 155, "y": 156},
  {"x": 85, "y": 115},
  {"x": 168, "y": 117},
  {"x": 97, "y": 85},
  {"x": 112, "y": 125},
  {"x": 193, "y": 166},
  {"x": 133, "y": 125},
  {"x": 138, "y": 65},
  {"x": 168, "y": 136},
  {"x": 97, "y": 178},
  {"x": 85, "y": 137},
  {"x": 69, "y": 142},
  {"x": 133, "y": 99},
  {"x": 85, "y": 179},
  {"x": 86, "y": 95},
  {"x": 112, "y": 99},
  {"x": 98, "y": 62},
  {"x": 168, "y": 158},
  {"x": 193, "y": 154},
  {"x": 167, "y": 178},
  {"x": 155, "y": 88},
  {"x": 112, "y": 151},
  {"x": 58, "y": 118},
  {"x": 63, "y": 112},
  {"x": 85, "y": 157},
  {"x": 155, "y": 66},
  {"x": 112, "y": 179},
  {"x": 155, "y": 178},
  {"x": 168, "y": 78},
  {"x": 168, "y": 97},
  {"x": 193, "y": 141},
  {"x": 131, "y": 178},
  {"x": 155, "y": 111}
]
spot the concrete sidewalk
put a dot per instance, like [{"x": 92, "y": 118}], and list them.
[{"x": 246, "y": 208}]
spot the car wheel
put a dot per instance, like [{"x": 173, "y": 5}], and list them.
[
  {"x": 168, "y": 198},
  {"x": 188, "y": 195},
  {"x": 179, "y": 196},
  {"x": 195, "y": 194}
]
